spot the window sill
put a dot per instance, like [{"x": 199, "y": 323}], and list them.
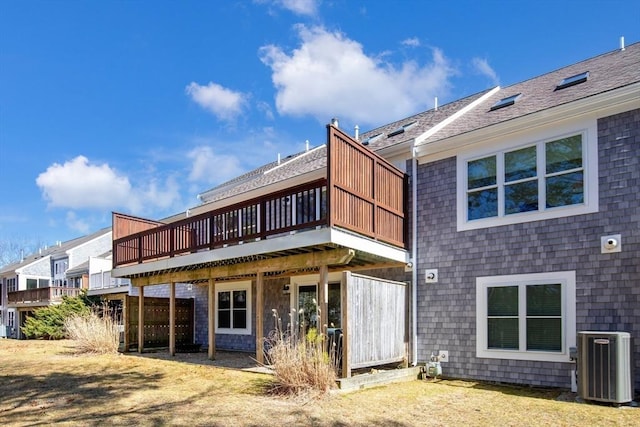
[{"x": 227, "y": 331}]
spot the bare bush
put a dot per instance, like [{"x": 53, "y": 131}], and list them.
[
  {"x": 93, "y": 332},
  {"x": 300, "y": 359}
]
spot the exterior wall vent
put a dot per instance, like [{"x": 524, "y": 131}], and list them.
[{"x": 605, "y": 368}]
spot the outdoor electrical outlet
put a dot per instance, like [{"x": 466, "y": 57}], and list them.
[
  {"x": 431, "y": 276},
  {"x": 443, "y": 355}
]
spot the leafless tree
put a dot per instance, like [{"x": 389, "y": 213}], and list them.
[{"x": 13, "y": 250}]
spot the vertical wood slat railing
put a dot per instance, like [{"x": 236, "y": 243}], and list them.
[
  {"x": 259, "y": 218},
  {"x": 367, "y": 194},
  {"x": 362, "y": 192}
]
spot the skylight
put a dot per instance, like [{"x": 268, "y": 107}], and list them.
[
  {"x": 505, "y": 102},
  {"x": 573, "y": 80},
  {"x": 371, "y": 139},
  {"x": 401, "y": 129}
]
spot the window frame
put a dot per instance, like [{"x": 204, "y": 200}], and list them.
[
  {"x": 230, "y": 287},
  {"x": 499, "y": 149},
  {"x": 295, "y": 282},
  {"x": 567, "y": 280}
]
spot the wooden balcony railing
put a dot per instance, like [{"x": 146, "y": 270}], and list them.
[
  {"x": 295, "y": 208},
  {"x": 41, "y": 295},
  {"x": 361, "y": 192}
]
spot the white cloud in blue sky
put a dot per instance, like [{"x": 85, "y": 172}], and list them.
[
  {"x": 193, "y": 95},
  {"x": 76, "y": 223},
  {"x": 80, "y": 184},
  {"x": 412, "y": 42},
  {"x": 299, "y": 7},
  {"x": 330, "y": 75},
  {"x": 482, "y": 67},
  {"x": 210, "y": 167},
  {"x": 223, "y": 103}
]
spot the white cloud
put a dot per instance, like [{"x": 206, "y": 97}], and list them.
[
  {"x": 299, "y": 7},
  {"x": 413, "y": 42},
  {"x": 330, "y": 75},
  {"x": 77, "y": 224},
  {"x": 265, "y": 108},
  {"x": 79, "y": 184},
  {"x": 223, "y": 103},
  {"x": 482, "y": 66},
  {"x": 211, "y": 168}
]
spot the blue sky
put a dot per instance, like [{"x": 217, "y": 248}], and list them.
[{"x": 138, "y": 106}]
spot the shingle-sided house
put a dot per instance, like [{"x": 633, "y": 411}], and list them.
[
  {"x": 40, "y": 279},
  {"x": 478, "y": 229},
  {"x": 528, "y": 224},
  {"x": 301, "y": 229}
]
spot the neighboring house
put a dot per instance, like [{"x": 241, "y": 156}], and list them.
[
  {"x": 494, "y": 217},
  {"x": 41, "y": 279}
]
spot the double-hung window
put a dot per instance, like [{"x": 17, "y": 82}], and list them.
[
  {"x": 529, "y": 317},
  {"x": 546, "y": 179},
  {"x": 233, "y": 308}
]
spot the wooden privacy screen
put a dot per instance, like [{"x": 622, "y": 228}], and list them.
[
  {"x": 126, "y": 225},
  {"x": 156, "y": 322},
  {"x": 366, "y": 192},
  {"x": 377, "y": 321}
]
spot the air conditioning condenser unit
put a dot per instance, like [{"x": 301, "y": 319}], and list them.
[{"x": 605, "y": 366}]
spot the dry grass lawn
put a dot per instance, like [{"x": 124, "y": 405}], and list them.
[{"x": 46, "y": 382}]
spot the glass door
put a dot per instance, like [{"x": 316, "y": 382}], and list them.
[{"x": 307, "y": 306}]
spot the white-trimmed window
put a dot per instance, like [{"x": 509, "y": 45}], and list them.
[
  {"x": 12, "y": 284},
  {"x": 548, "y": 178},
  {"x": 233, "y": 308},
  {"x": 526, "y": 316}
]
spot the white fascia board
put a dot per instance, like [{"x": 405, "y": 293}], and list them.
[
  {"x": 400, "y": 150},
  {"x": 272, "y": 188},
  {"x": 363, "y": 244},
  {"x": 403, "y": 150},
  {"x": 280, "y": 243},
  {"x": 604, "y": 104},
  {"x": 276, "y": 244},
  {"x": 436, "y": 128}
]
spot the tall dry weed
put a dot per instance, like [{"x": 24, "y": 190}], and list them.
[
  {"x": 94, "y": 332},
  {"x": 300, "y": 359}
]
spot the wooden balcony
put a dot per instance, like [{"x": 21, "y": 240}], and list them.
[
  {"x": 360, "y": 192},
  {"x": 41, "y": 296}
]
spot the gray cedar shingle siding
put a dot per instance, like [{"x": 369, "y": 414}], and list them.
[{"x": 607, "y": 285}]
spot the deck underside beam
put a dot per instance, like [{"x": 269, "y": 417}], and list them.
[{"x": 334, "y": 257}]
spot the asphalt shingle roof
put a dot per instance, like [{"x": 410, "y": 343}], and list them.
[{"x": 607, "y": 72}]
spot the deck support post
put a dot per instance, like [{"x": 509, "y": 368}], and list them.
[
  {"x": 172, "y": 318},
  {"x": 323, "y": 300},
  {"x": 260, "y": 317},
  {"x": 140, "y": 319},
  {"x": 211, "y": 352}
]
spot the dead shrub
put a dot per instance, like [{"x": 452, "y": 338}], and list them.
[
  {"x": 95, "y": 332},
  {"x": 300, "y": 359}
]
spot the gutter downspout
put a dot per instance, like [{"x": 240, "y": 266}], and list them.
[{"x": 414, "y": 255}]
